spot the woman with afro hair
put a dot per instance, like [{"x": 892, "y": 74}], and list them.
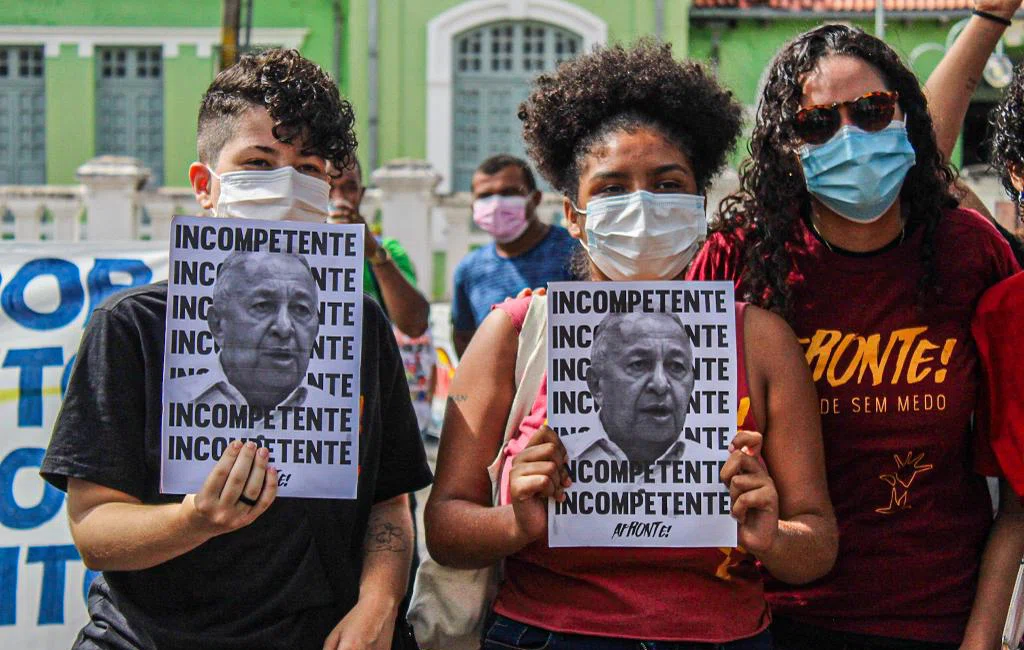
[
  {"x": 630, "y": 126},
  {"x": 845, "y": 225}
]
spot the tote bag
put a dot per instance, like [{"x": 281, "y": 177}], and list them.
[{"x": 449, "y": 606}]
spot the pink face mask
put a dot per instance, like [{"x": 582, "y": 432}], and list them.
[{"x": 503, "y": 217}]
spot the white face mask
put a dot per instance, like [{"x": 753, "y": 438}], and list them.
[
  {"x": 282, "y": 194},
  {"x": 644, "y": 236}
]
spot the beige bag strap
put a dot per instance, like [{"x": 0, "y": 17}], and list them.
[{"x": 531, "y": 364}]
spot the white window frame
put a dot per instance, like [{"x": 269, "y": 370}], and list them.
[
  {"x": 86, "y": 38},
  {"x": 441, "y": 32}
]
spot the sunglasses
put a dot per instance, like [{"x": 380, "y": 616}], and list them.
[{"x": 872, "y": 112}]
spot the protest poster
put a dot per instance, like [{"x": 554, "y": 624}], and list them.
[
  {"x": 48, "y": 291},
  {"x": 642, "y": 393},
  {"x": 263, "y": 343}
]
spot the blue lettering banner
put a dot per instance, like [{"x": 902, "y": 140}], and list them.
[{"x": 47, "y": 292}]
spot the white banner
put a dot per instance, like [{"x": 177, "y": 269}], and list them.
[
  {"x": 642, "y": 393},
  {"x": 47, "y": 292}
]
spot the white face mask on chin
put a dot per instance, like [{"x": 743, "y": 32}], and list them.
[
  {"x": 282, "y": 194},
  {"x": 643, "y": 235}
]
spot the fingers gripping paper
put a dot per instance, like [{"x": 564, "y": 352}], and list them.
[
  {"x": 263, "y": 342},
  {"x": 642, "y": 393}
]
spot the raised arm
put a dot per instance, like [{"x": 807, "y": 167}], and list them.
[
  {"x": 408, "y": 309},
  {"x": 114, "y": 531},
  {"x": 786, "y": 519},
  {"x": 951, "y": 85}
]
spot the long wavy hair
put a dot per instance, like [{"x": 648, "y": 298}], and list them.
[{"x": 773, "y": 194}]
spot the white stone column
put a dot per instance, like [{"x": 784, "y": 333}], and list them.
[
  {"x": 457, "y": 209},
  {"x": 110, "y": 189},
  {"x": 406, "y": 199}
]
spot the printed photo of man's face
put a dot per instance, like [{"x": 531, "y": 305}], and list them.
[
  {"x": 641, "y": 377},
  {"x": 265, "y": 320}
]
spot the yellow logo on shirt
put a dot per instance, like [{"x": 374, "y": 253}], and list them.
[{"x": 907, "y": 469}]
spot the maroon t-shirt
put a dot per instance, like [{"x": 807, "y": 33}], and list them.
[{"x": 897, "y": 387}]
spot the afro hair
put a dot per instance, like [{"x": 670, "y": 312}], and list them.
[
  {"x": 572, "y": 108},
  {"x": 1006, "y": 150}
]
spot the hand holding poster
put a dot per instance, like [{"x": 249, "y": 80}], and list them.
[
  {"x": 264, "y": 325},
  {"x": 642, "y": 394}
]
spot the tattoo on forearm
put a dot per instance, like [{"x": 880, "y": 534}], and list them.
[
  {"x": 459, "y": 397},
  {"x": 385, "y": 536},
  {"x": 972, "y": 83}
]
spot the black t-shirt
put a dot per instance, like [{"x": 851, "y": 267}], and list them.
[{"x": 285, "y": 580}]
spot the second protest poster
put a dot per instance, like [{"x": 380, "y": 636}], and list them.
[{"x": 642, "y": 383}]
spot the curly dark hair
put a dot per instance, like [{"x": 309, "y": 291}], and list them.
[
  {"x": 773, "y": 195},
  {"x": 1006, "y": 148},
  {"x": 618, "y": 88},
  {"x": 301, "y": 98}
]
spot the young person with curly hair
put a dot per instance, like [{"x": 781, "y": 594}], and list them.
[
  {"x": 630, "y": 125},
  {"x": 1001, "y": 309},
  {"x": 1006, "y": 151},
  {"x": 997, "y": 322},
  {"x": 846, "y": 226},
  {"x": 230, "y": 567}
]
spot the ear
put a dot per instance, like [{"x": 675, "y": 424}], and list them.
[
  {"x": 575, "y": 222},
  {"x": 1017, "y": 176},
  {"x": 533, "y": 201},
  {"x": 202, "y": 184},
  {"x": 594, "y": 386},
  {"x": 213, "y": 322}
]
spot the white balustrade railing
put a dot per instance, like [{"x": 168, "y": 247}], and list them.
[
  {"x": 113, "y": 203},
  {"x": 156, "y": 208},
  {"x": 40, "y": 212}
]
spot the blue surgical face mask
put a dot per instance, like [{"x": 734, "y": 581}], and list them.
[{"x": 859, "y": 174}]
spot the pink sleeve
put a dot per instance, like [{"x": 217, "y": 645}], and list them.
[{"x": 516, "y": 309}]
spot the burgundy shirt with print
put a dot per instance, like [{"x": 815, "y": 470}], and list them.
[{"x": 897, "y": 388}]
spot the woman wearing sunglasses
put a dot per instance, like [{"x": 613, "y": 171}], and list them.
[
  {"x": 845, "y": 225},
  {"x": 626, "y": 149}
]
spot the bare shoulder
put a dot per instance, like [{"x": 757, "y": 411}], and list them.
[
  {"x": 766, "y": 329},
  {"x": 771, "y": 348},
  {"x": 491, "y": 353}
]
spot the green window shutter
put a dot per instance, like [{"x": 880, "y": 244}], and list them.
[
  {"x": 22, "y": 116},
  {"x": 493, "y": 68},
  {"x": 130, "y": 105}
]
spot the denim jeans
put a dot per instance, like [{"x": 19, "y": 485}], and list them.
[
  {"x": 793, "y": 635},
  {"x": 506, "y": 634}
]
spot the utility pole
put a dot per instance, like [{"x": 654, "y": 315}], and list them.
[
  {"x": 229, "y": 33},
  {"x": 880, "y": 19}
]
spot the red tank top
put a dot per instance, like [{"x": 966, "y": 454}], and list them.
[{"x": 710, "y": 595}]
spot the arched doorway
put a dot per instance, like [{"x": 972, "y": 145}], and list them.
[
  {"x": 493, "y": 68},
  {"x": 464, "y": 23}
]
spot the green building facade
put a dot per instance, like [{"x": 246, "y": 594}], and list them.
[
  {"x": 739, "y": 44},
  {"x": 437, "y": 80}
]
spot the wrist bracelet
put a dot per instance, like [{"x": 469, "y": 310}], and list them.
[
  {"x": 380, "y": 257},
  {"x": 1005, "y": 22}
]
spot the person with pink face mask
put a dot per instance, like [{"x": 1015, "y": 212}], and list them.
[{"x": 526, "y": 253}]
